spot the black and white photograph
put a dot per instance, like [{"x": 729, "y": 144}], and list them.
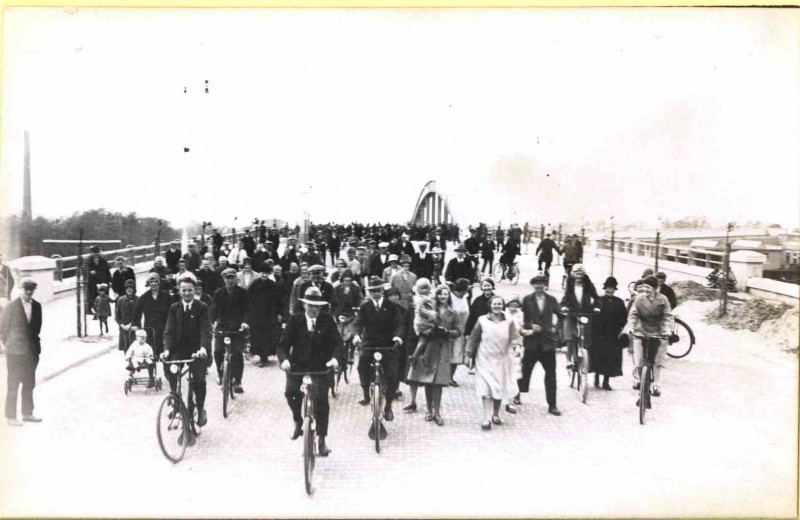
[{"x": 399, "y": 262}]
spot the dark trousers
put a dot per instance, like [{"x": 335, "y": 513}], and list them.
[
  {"x": 198, "y": 368},
  {"x": 548, "y": 361},
  {"x": 334, "y": 256},
  {"x": 319, "y": 393},
  {"x": 237, "y": 358},
  {"x": 389, "y": 365},
  {"x": 487, "y": 262},
  {"x": 547, "y": 262},
  {"x": 21, "y": 371}
]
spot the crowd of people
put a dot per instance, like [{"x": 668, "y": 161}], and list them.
[{"x": 382, "y": 288}]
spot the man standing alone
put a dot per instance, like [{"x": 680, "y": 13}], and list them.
[{"x": 19, "y": 331}]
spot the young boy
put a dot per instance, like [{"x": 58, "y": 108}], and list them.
[
  {"x": 102, "y": 306},
  {"x": 139, "y": 355}
]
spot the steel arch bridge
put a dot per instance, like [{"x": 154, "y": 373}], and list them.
[{"x": 433, "y": 207}]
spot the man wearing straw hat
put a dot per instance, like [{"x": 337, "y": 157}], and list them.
[{"x": 311, "y": 342}]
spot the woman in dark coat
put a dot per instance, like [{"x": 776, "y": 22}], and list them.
[
  {"x": 124, "y": 313},
  {"x": 606, "y": 354},
  {"x": 153, "y": 306},
  {"x": 99, "y": 272},
  {"x": 579, "y": 296},
  {"x": 480, "y": 305}
]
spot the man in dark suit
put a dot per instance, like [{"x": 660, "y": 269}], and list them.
[
  {"x": 288, "y": 257},
  {"x": 459, "y": 267},
  {"x": 19, "y": 331},
  {"x": 311, "y": 342},
  {"x": 231, "y": 308},
  {"x": 311, "y": 257},
  {"x": 545, "y": 252},
  {"x": 188, "y": 333},
  {"x": 248, "y": 243},
  {"x": 120, "y": 276},
  {"x": 539, "y": 339},
  {"x": 193, "y": 258},
  {"x": 378, "y": 328},
  {"x": 422, "y": 262},
  {"x": 380, "y": 260},
  {"x": 172, "y": 256},
  {"x": 212, "y": 280}
]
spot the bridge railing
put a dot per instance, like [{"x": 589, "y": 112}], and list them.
[
  {"x": 67, "y": 266},
  {"x": 674, "y": 253}
]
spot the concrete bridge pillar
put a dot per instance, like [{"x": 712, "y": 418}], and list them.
[{"x": 41, "y": 269}]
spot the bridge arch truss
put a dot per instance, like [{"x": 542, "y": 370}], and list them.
[{"x": 433, "y": 207}]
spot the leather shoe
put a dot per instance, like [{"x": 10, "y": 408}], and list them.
[
  {"x": 238, "y": 389},
  {"x": 510, "y": 409},
  {"x": 388, "y": 414},
  {"x": 554, "y": 411},
  {"x": 411, "y": 408},
  {"x": 398, "y": 395},
  {"x": 202, "y": 418},
  {"x": 364, "y": 402},
  {"x": 14, "y": 422},
  {"x": 192, "y": 440},
  {"x": 517, "y": 401},
  {"x": 454, "y": 384},
  {"x": 31, "y": 418},
  {"x": 298, "y": 430},
  {"x": 322, "y": 448}
]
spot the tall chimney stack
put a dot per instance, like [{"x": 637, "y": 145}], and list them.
[{"x": 27, "y": 212}]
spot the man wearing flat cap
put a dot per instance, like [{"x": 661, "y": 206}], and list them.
[
  {"x": 378, "y": 328},
  {"x": 20, "y": 325},
  {"x": 380, "y": 260},
  {"x": 311, "y": 257},
  {"x": 231, "y": 309},
  {"x": 460, "y": 266},
  {"x": 539, "y": 314},
  {"x": 311, "y": 342}
]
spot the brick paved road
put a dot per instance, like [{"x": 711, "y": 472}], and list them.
[{"x": 722, "y": 440}]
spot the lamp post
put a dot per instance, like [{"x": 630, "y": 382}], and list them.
[
  {"x": 658, "y": 242},
  {"x": 725, "y": 268}
]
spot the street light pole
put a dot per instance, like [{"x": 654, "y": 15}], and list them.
[{"x": 725, "y": 267}]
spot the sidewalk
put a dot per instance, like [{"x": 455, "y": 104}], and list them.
[{"x": 62, "y": 350}]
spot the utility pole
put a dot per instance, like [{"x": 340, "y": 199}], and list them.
[
  {"x": 723, "y": 310},
  {"x": 612, "y": 246},
  {"x": 79, "y": 282}
]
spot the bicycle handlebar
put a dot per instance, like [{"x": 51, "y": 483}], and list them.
[
  {"x": 230, "y": 332},
  {"x": 180, "y": 361},
  {"x": 300, "y": 373}
]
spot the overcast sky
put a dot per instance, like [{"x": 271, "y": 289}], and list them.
[{"x": 551, "y": 114}]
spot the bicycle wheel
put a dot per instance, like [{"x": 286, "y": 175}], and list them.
[
  {"x": 515, "y": 278},
  {"x": 171, "y": 427},
  {"x": 226, "y": 387},
  {"x": 683, "y": 346},
  {"x": 376, "y": 416},
  {"x": 584, "y": 377},
  {"x": 644, "y": 392},
  {"x": 308, "y": 454},
  {"x": 498, "y": 272}
]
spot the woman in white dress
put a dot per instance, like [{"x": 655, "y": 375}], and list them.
[{"x": 489, "y": 349}]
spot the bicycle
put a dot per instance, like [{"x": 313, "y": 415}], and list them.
[
  {"x": 377, "y": 394},
  {"x": 177, "y": 417},
  {"x": 580, "y": 363},
  {"x": 510, "y": 272},
  {"x": 682, "y": 339},
  {"x": 346, "y": 368},
  {"x": 650, "y": 344},
  {"x": 309, "y": 428},
  {"x": 227, "y": 386}
]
